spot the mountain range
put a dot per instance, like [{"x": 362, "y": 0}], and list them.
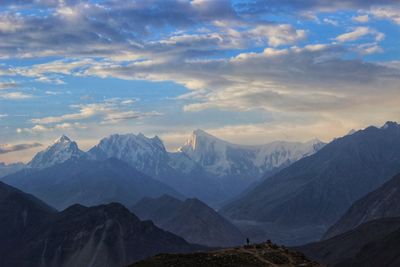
[
  {"x": 34, "y": 234},
  {"x": 222, "y": 158},
  {"x": 306, "y": 198},
  {"x": 206, "y": 168},
  {"x": 191, "y": 219}
]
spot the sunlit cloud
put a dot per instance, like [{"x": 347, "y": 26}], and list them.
[
  {"x": 359, "y": 32},
  {"x": 387, "y": 13},
  {"x": 110, "y": 111},
  {"x": 361, "y": 18},
  {"x": 15, "y": 95},
  {"x": 7, "y": 148},
  {"x": 8, "y": 85}
]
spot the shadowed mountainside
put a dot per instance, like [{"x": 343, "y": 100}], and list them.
[
  {"x": 372, "y": 244},
  {"x": 33, "y": 234},
  {"x": 381, "y": 203},
  {"x": 190, "y": 219},
  {"x": 316, "y": 191},
  {"x": 6, "y": 169}
]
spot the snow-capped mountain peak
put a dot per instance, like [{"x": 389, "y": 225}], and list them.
[
  {"x": 198, "y": 140},
  {"x": 145, "y": 154},
  {"x": 60, "y": 151},
  {"x": 223, "y": 158},
  {"x": 201, "y": 133},
  {"x": 63, "y": 139},
  {"x": 130, "y": 144}
]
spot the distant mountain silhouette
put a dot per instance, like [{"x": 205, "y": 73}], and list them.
[
  {"x": 34, "y": 234},
  {"x": 315, "y": 191},
  {"x": 190, "y": 219},
  {"x": 88, "y": 182},
  {"x": 372, "y": 244},
  {"x": 6, "y": 169},
  {"x": 383, "y": 202}
]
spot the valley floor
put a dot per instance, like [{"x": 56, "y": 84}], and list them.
[{"x": 289, "y": 236}]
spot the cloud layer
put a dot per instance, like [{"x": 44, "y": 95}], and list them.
[
  {"x": 4, "y": 149},
  {"x": 318, "y": 63}
]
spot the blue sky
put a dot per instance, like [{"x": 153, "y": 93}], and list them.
[{"x": 247, "y": 71}]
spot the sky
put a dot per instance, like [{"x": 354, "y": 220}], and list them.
[{"x": 250, "y": 72}]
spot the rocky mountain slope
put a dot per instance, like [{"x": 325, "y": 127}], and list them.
[
  {"x": 88, "y": 182},
  {"x": 372, "y": 244},
  {"x": 190, "y": 219},
  {"x": 261, "y": 255},
  {"x": 34, "y": 234},
  {"x": 307, "y": 197},
  {"x": 383, "y": 202}
]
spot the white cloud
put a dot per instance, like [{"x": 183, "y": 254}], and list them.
[
  {"x": 361, "y": 18},
  {"x": 10, "y": 23},
  {"x": 389, "y": 13},
  {"x": 15, "y": 96},
  {"x": 109, "y": 111},
  {"x": 38, "y": 128},
  {"x": 281, "y": 34},
  {"x": 48, "y": 92},
  {"x": 358, "y": 33},
  {"x": 8, "y": 85},
  {"x": 51, "y": 80},
  {"x": 369, "y": 48},
  {"x": 8, "y": 148},
  {"x": 332, "y": 22}
]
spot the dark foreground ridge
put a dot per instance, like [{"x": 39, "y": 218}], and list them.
[{"x": 265, "y": 254}]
